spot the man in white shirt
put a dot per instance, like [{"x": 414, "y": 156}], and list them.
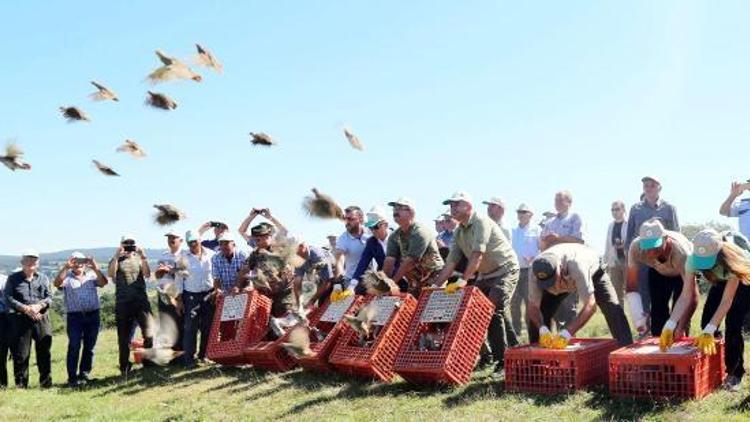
[
  {"x": 195, "y": 291},
  {"x": 166, "y": 277},
  {"x": 350, "y": 245},
  {"x": 732, "y": 207},
  {"x": 525, "y": 240}
]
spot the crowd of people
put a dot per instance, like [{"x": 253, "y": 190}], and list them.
[{"x": 543, "y": 278}]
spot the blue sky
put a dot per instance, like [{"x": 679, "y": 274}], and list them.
[{"x": 517, "y": 99}]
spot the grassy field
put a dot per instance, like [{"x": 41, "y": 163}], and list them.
[{"x": 216, "y": 393}]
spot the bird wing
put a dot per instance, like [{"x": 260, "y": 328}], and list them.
[{"x": 353, "y": 140}]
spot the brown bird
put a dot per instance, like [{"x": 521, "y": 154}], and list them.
[
  {"x": 168, "y": 214},
  {"x": 261, "y": 138},
  {"x": 104, "y": 169},
  {"x": 73, "y": 114},
  {"x": 166, "y": 337},
  {"x": 377, "y": 283},
  {"x": 103, "y": 93},
  {"x": 362, "y": 322},
  {"x": 205, "y": 58},
  {"x": 162, "y": 101},
  {"x": 12, "y": 158},
  {"x": 298, "y": 342},
  {"x": 322, "y": 206},
  {"x": 132, "y": 148},
  {"x": 173, "y": 69},
  {"x": 353, "y": 140}
]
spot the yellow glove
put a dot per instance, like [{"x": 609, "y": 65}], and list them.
[
  {"x": 335, "y": 296},
  {"x": 344, "y": 294},
  {"x": 545, "y": 338},
  {"x": 705, "y": 343},
  {"x": 667, "y": 336}
]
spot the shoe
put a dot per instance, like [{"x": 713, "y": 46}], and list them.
[
  {"x": 126, "y": 370},
  {"x": 732, "y": 384},
  {"x": 74, "y": 384},
  {"x": 85, "y": 378},
  {"x": 46, "y": 383},
  {"x": 483, "y": 361},
  {"x": 499, "y": 371}
]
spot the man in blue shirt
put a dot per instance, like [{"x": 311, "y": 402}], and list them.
[
  {"x": 79, "y": 279},
  {"x": 27, "y": 293}
]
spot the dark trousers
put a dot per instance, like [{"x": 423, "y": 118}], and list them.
[
  {"x": 500, "y": 334},
  {"x": 664, "y": 292},
  {"x": 126, "y": 314},
  {"x": 24, "y": 331},
  {"x": 6, "y": 330},
  {"x": 606, "y": 299},
  {"x": 199, "y": 314},
  {"x": 83, "y": 329},
  {"x": 520, "y": 298},
  {"x": 167, "y": 310},
  {"x": 566, "y": 311},
  {"x": 734, "y": 344}
]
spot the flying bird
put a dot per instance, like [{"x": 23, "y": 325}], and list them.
[
  {"x": 298, "y": 342},
  {"x": 12, "y": 158},
  {"x": 162, "y": 101},
  {"x": 362, "y": 322},
  {"x": 353, "y": 140},
  {"x": 377, "y": 283},
  {"x": 261, "y": 138},
  {"x": 132, "y": 148},
  {"x": 205, "y": 58},
  {"x": 166, "y": 337},
  {"x": 72, "y": 114},
  {"x": 103, "y": 93},
  {"x": 104, "y": 169},
  {"x": 173, "y": 69},
  {"x": 168, "y": 214},
  {"x": 322, "y": 206}
]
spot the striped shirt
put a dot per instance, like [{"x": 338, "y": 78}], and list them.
[
  {"x": 226, "y": 269},
  {"x": 80, "y": 293}
]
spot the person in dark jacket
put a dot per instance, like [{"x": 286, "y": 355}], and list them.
[{"x": 374, "y": 248}]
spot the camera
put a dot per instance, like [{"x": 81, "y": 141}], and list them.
[
  {"x": 216, "y": 224},
  {"x": 129, "y": 248}
]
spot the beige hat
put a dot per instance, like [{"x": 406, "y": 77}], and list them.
[
  {"x": 404, "y": 201},
  {"x": 651, "y": 234},
  {"x": 650, "y": 179},
  {"x": 524, "y": 208},
  {"x": 706, "y": 246},
  {"x": 496, "y": 200},
  {"x": 458, "y": 196}
]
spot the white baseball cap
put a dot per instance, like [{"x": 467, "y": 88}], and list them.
[
  {"x": 458, "y": 196},
  {"x": 77, "y": 255},
  {"x": 30, "y": 252}
]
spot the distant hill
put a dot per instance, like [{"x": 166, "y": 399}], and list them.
[{"x": 9, "y": 262}]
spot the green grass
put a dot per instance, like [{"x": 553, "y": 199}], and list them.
[{"x": 216, "y": 393}]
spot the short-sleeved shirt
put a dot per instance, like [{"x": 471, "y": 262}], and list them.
[
  {"x": 741, "y": 210},
  {"x": 526, "y": 244},
  {"x": 212, "y": 244},
  {"x": 200, "y": 278},
  {"x": 665, "y": 212},
  {"x": 480, "y": 234},
  {"x": 130, "y": 285},
  {"x": 80, "y": 293},
  {"x": 318, "y": 266},
  {"x": 352, "y": 248},
  {"x": 578, "y": 264},
  {"x": 674, "y": 265},
  {"x": 226, "y": 269},
  {"x": 419, "y": 244},
  {"x": 569, "y": 224},
  {"x": 170, "y": 259}
]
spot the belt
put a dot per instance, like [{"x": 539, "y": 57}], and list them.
[
  {"x": 498, "y": 272},
  {"x": 197, "y": 293}
]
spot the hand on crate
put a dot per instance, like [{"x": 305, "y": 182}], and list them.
[
  {"x": 667, "y": 336},
  {"x": 455, "y": 286},
  {"x": 545, "y": 337},
  {"x": 561, "y": 340},
  {"x": 705, "y": 343}
]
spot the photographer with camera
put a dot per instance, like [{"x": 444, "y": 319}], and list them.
[
  {"x": 129, "y": 269},
  {"x": 280, "y": 232},
  {"x": 28, "y": 298},
  {"x": 78, "y": 279},
  {"x": 219, "y": 229}
]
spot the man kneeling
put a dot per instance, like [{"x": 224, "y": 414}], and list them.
[{"x": 564, "y": 269}]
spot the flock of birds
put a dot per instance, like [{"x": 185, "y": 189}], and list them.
[{"x": 173, "y": 69}]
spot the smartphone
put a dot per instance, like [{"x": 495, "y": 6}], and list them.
[
  {"x": 216, "y": 224},
  {"x": 129, "y": 248}
]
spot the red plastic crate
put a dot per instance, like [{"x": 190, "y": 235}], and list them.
[
  {"x": 327, "y": 320},
  {"x": 268, "y": 354},
  {"x": 462, "y": 318},
  {"x": 375, "y": 360},
  {"x": 533, "y": 369},
  {"x": 234, "y": 328},
  {"x": 683, "y": 372}
]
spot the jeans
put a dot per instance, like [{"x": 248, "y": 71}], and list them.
[
  {"x": 663, "y": 290},
  {"x": 6, "y": 330},
  {"x": 24, "y": 331},
  {"x": 198, "y": 316},
  {"x": 83, "y": 329},
  {"x": 126, "y": 313},
  {"x": 606, "y": 300},
  {"x": 734, "y": 344},
  {"x": 520, "y": 297},
  {"x": 500, "y": 334}
]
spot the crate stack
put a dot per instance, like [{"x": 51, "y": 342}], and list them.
[
  {"x": 444, "y": 337},
  {"x": 239, "y": 320}
]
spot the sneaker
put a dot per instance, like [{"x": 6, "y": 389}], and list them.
[
  {"x": 732, "y": 384},
  {"x": 126, "y": 370},
  {"x": 499, "y": 372},
  {"x": 85, "y": 378},
  {"x": 46, "y": 383}
]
